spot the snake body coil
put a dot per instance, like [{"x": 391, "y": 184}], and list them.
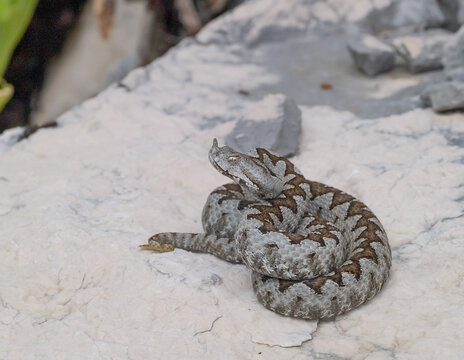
[{"x": 315, "y": 251}]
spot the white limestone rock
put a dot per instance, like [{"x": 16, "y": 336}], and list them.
[
  {"x": 271, "y": 21},
  {"x": 401, "y": 14},
  {"x": 447, "y": 95},
  {"x": 451, "y": 10},
  {"x": 371, "y": 55},
  {"x": 423, "y": 51},
  {"x": 453, "y": 59},
  {"x": 460, "y": 12},
  {"x": 274, "y": 123},
  {"x": 9, "y": 138}
]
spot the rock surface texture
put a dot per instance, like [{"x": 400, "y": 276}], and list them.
[
  {"x": 453, "y": 59},
  {"x": 412, "y": 14},
  {"x": 77, "y": 200},
  {"x": 371, "y": 55},
  {"x": 447, "y": 95},
  {"x": 423, "y": 51}
]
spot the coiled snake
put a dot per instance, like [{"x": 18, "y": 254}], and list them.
[{"x": 314, "y": 251}]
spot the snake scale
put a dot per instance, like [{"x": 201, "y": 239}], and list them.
[{"x": 315, "y": 251}]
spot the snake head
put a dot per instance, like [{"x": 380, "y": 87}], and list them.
[{"x": 247, "y": 171}]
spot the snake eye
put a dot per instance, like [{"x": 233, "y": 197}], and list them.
[{"x": 233, "y": 158}]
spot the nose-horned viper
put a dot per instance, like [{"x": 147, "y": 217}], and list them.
[{"x": 314, "y": 251}]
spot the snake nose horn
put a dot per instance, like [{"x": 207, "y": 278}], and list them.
[{"x": 215, "y": 143}]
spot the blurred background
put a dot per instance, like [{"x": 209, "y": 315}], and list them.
[
  {"x": 56, "y": 53},
  {"x": 390, "y": 56}
]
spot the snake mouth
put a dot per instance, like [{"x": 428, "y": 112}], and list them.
[
  {"x": 217, "y": 166},
  {"x": 221, "y": 170}
]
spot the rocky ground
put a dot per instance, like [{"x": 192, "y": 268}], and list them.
[{"x": 78, "y": 199}]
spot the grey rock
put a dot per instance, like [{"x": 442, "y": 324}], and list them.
[
  {"x": 273, "y": 123},
  {"x": 9, "y": 138},
  {"x": 270, "y": 26},
  {"x": 422, "y": 51},
  {"x": 352, "y": 92},
  {"x": 453, "y": 59},
  {"x": 371, "y": 55},
  {"x": 460, "y": 15},
  {"x": 448, "y": 95},
  {"x": 413, "y": 14},
  {"x": 450, "y": 9}
]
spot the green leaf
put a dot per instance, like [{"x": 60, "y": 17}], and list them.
[
  {"x": 6, "y": 93},
  {"x": 6, "y": 9},
  {"x": 15, "y": 16}
]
